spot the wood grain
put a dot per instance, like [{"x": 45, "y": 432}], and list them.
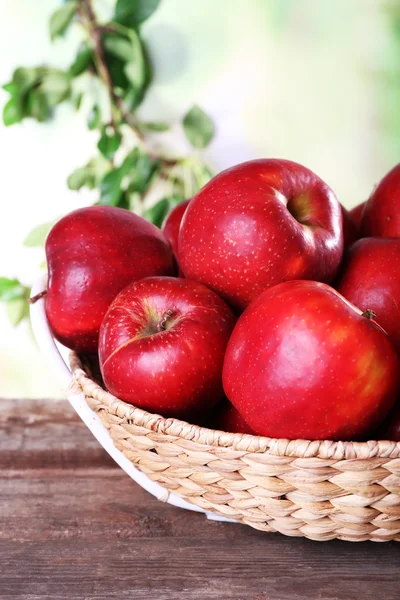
[{"x": 74, "y": 526}]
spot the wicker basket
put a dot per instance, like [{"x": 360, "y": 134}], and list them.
[{"x": 321, "y": 490}]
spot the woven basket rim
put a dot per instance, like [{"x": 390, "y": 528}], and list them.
[{"x": 325, "y": 449}]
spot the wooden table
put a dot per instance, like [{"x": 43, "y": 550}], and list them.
[{"x": 74, "y": 526}]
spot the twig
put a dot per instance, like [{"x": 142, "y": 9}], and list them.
[
  {"x": 95, "y": 31},
  {"x": 119, "y": 114},
  {"x": 37, "y": 297},
  {"x": 102, "y": 68}
]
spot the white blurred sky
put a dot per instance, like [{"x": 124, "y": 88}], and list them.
[{"x": 299, "y": 86}]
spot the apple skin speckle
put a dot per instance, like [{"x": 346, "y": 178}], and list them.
[
  {"x": 303, "y": 363},
  {"x": 162, "y": 346},
  {"x": 274, "y": 218},
  {"x": 92, "y": 254}
]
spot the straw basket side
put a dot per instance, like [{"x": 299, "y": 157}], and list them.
[{"x": 321, "y": 490}]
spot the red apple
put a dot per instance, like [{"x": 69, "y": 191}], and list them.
[
  {"x": 350, "y": 233},
  {"x": 93, "y": 253},
  {"x": 162, "y": 345},
  {"x": 356, "y": 214},
  {"x": 302, "y": 362},
  {"x": 172, "y": 224},
  {"x": 260, "y": 223},
  {"x": 228, "y": 418},
  {"x": 381, "y": 215},
  {"x": 371, "y": 279}
]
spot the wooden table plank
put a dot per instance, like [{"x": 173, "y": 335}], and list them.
[
  {"x": 38, "y": 433},
  {"x": 74, "y": 526}
]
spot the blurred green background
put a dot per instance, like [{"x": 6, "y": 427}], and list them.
[{"x": 309, "y": 80}]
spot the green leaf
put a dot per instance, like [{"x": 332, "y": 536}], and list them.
[
  {"x": 38, "y": 106},
  {"x": 12, "y": 112},
  {"x": 119, "y": 46},
  {"x": 90, "y": 175},
  {"x": 56, "y": 86},
  {"x": 135, "y": 69},
  {"x": 11, "y": 88},
  {"x": 35, "y": 92},
  {"x": 198, "y": 127},
  {"x": 157, "y": 213},
  {"x": 133, "y": 176},
  {"x": 94, "y": 117},
  {"x": 130, "y": 161},
  {"x": 123, "y": 201},
  {"x": 25, "y": 78},
  {"x": 110, "y": 188},
  {"x": 11, "y": 289},
  {"x": 133, "y": 12},
  {"x": 109, "y": 144},
  {"x": 142, "y": 173},
  {"x": 79, "y": 178},
  {"x": 17, "y": 310},
  {"x": 77, "y": 100},
  {"x": 83, "y": 60},
  {"x": 61, "y": 19},
  {"x": 154, "y": 126},
  {"x": 37, "y": 236},
  {"x": 116, "y": 68}
]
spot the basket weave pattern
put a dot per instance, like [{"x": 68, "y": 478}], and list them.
[{"x": 320, "y": 490}]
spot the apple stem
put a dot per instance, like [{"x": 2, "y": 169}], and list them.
[
  {"x": 37, "y": 297},
  {"x": 369, "y": 314},
  {"x": 161, "y": 325}
]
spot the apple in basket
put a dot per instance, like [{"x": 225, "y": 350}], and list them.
[
  {"x": 381, "y": 214},
  {"x": 356, "y": 214},
  {"x": 228, "y": 418},
  {"x": 162, "y": 346},
  {"x": 350, "y": 231},
  {"x": 390, "y": 428},
  {"x": 172, "y": 224},
  {"x": 92, "y": 253},
  {"x": 260, "y": 223},
  {"x": 302, "y": 362},
  {"x": 371, "y": 279}
]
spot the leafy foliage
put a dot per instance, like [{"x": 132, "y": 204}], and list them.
[
  {"x": 94, "y": 118},
  {"x": 18, "y": 310},
  {"x": 157, "y": 126},
  {"x": 62, "y": 18},
  {"x": 10, "y": 289},
  {"x": 157, "y": 213},
  {"x": 37, "y": 236},
  {"x": 109, "y": 143},
  {"x": 83, "y": 60},
  {"x": 16, "y": 297},
  {"x": 35, "y": 92},
  {"x": 90, "y": 175},
  {"x": 132, "y": 13},
  {"x": 198, "y": 127},
  {"x": 133, "y": 176},
  {"x": 112, "y": 57}
]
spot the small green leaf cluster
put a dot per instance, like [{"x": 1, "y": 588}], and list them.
[
  {"x": 35, "y": 92},
  {"x": 16, "y": 296}
]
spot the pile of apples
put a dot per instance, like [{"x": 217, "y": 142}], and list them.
[{"x": 225, "y": 317}]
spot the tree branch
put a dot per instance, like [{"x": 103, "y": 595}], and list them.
[
  {"x": 95, "y": 31},
  {"x": 118, "y": 112}
]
